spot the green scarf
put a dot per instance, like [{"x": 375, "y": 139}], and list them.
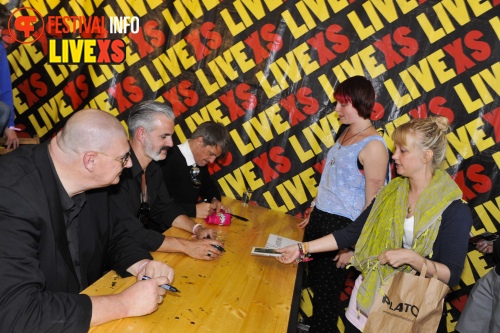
[{"x": 384, "y": 230}]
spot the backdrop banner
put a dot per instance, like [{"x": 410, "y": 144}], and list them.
[{"x": 266, "y": 69}]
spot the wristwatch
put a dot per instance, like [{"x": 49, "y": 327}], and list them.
[{"x": 313, "y": 203}]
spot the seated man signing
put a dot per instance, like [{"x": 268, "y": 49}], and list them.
[
  {"x": 186, "y": 174},
  {"x": 141, "y": 199},
  {"x": 58, "y": 236}
]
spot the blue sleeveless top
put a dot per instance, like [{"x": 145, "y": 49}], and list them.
[{"x": 341, "y": 190}]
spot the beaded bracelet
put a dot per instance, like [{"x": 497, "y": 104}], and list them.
[{"x": 303, "y": 257}]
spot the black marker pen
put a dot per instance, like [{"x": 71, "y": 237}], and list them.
[{"x": 164, "y": 286}]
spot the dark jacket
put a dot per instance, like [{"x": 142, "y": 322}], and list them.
[
  {"x": 177, "y": 177},
  {"x": 125, "y": 203},
  {"x": 39, "y": 289}
]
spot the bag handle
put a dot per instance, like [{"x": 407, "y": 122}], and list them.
[{"x": 423, "y": 272}]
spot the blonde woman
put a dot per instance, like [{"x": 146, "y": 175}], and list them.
[{"x": 417, "y": 215}]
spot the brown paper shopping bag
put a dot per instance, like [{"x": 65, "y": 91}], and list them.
[{"x": 409, "y": 304}]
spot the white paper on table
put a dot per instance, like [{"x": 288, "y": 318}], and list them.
[{"x": 278, "y": 242}]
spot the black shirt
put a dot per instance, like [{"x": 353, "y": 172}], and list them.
[
  {"x": 125, "y": 199},
  {"x": 71, "y": 209},
  {"x": 177, "y": 177}
]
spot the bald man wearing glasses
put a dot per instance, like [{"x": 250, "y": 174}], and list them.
[
  {"x": 58, "y": 235},
  {"x": 141, "y": 199}
]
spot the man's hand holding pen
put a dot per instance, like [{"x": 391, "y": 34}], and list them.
[{"x": 143, "y": 297}]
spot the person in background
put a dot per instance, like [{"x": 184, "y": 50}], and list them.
[
  {"x": 58, "y": 236},
  {"x": 344, "y": 191},
  {"x": 186, "y": 174},
  {"x": 416, "y": 216},
  {"x": 141, "y": 199},
  {"x": 482, "y": 310},
  {"x": 7, "y": 126}
]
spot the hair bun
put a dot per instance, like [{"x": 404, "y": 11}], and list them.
[{"x": 441, "y": 122}]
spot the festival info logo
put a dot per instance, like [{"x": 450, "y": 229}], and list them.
[
  {"x": 71, "y": 39},
  {"x": 22, "y": 27}
]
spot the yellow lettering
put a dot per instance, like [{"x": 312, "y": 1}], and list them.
[
  {"x": 372, "y": 65},
  {"x": 475, "y": 130}
]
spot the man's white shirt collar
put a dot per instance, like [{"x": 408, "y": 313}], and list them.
[{"x": 187, "y": 153}]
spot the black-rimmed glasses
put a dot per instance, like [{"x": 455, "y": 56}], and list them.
[
  {"x": 123, "y": 160},
  {"x": 195, "y": 171}
]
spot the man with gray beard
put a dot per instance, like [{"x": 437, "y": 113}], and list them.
[{"x": 141, "y": 199}]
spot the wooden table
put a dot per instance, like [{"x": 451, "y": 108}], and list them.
[{"x": 235, "y": 293}]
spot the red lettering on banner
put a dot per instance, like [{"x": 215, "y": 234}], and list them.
[
  {"x": 268, "y": 172},
  {"x": 216, "y": 166},
  {"x": 243, "y": 94},
  {"x": 341, "y": 42},
  {"x": 283, "y": 164},
  {"x": 77, "y": 96},
  {"x": 320, "y": 166},
  {"x": 104, "y": 56},
  {"x": 157, "y": 37},
  {"x": 182, "y": 90},
  {"x": 482, "y": 50},
  {"x": 481, "y": 182},
  {"x": 260, "y": 52},
  {"x": 318, "y": 43},
  {"x": 70, "y": 24},
  {"x": 275, "y": 40},
  {"x": 378, "y": 111},
  {"x": 435, "y": 107},
  {"x": 51, "y": 28},
  {"x": 462, "y": 62},
  {"x": 493, "y": 118},
  {"x": 459, "y": 302},
  {"x": 213, "y": 40},
  {"x": 386, "y": 45},
  {"x": 310, "y": 107},
  {"x": 235, "y": 111},
  {"x": 135, "y": 93},
  {"x": 118, "y": 50},
  {"x": 288, "y": 103},
  {"x": 33, "y": 82},
  {"x": 311, "y": 104},
  {"x": 200, "y": 50},
  {"x": 250, "y": 100},
  {"x": 143, "y": 46}
]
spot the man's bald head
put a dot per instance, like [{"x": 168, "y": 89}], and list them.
[{"x": 90, "y": 130}]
